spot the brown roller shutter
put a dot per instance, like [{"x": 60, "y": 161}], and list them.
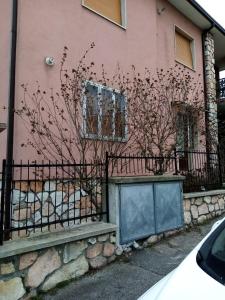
[
  {"x": 110, "y": 9},
  {"x": 183, "y": 50}
]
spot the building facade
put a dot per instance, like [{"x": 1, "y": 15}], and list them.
[{"x": 153, "y": 34}]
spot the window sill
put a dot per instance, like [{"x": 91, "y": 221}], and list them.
[
  {"x": 104, "y": 17},
  {"x": 184, "y": 65},
  {"x": 105, "y": 138}
]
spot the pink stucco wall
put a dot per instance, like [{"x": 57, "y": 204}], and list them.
[
  {"x": 5, "y": 30},
  {"x": 46, "y": 26}
]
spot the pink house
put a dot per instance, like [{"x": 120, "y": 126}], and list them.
[
  {"x": 153, "y": 34},
  {"x": 37, "y": 197}
]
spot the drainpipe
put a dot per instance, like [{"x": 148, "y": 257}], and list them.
[
  {"x": 10, "y": 125},
  {"x": 205, "y": 87}
]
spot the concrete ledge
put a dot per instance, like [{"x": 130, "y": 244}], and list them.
[
  {"x": 142, "y": 179},
  {"x": 46, "y": 240},
  {"x": 203, "y": 194}
]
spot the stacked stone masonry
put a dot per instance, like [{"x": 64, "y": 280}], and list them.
[
  {"x": 198, "y": 209},
  {"x": 22, "y": 276},
  {"x": 210, "y": 81},
  {"x": 43, "y": 202}
]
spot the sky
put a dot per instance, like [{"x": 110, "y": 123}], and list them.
[{"x": 216, "y": 8}]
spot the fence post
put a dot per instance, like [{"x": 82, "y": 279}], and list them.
[
  {"x": 107, "y": 184},
  {"x": 219, "y": 163},
  {"x": 8, "y": 186},
  {"x": 175, "y": 159},
  {"x": 2, "y": 202}
]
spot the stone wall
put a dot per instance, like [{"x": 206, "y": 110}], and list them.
[
  {"x": 43, "y": 202},
  {"x": 199, "y": 207},
  {"x": 23, "y": 275}
]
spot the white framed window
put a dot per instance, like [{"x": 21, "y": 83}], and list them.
[
  {"x": 187, "y": 131},
  {"x": 104, "y": 113},
  {"x": 112, "y": 10},
  {"x": 184, "y": 48},
  {"x": 187, "y": 139}
]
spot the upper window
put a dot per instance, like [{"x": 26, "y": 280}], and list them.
[
  {"x": 113, "y": 10},
  {"x": 184, "y": 49},
  {"x": 104, "y": 112}
]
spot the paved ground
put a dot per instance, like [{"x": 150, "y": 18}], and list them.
[{"x": 130, "y": 276}]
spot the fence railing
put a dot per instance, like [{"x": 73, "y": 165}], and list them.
[
  {"x": 221, "y": 88},
  {"x": 54, "y": 196},
  {"x": 202, "y": 170},
  {"x": 48, "y": 197},
  {"x": 140, "y": 165}
]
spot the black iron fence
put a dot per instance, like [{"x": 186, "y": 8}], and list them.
[
  {"x": 202, "y": 171},
  {"x": 140, "y": 165},
  {"x": 221, "y": 88},
  {"x": 47, "y": 197}
]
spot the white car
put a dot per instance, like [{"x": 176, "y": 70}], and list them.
[{"x": 200, "y": 276}]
